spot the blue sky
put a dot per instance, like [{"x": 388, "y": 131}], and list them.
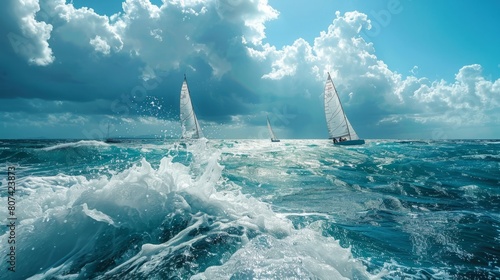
[{"x": 404, "y": 69}]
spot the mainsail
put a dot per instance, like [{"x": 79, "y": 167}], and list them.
[
  {"x": 190, "y": 126},
  {"x": 336, "y": 120},
  {"x": 271, "y": 132}
]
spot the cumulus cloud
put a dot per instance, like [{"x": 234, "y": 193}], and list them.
[
  {"x": 370, "y": 89},
  {"x": 251, "y": 14},
  {"x": 83, "y": 27},
  {"x": 471, "y": 97},
  {"x": 291, "y": 59},
  {"x": 100, "y": 45},
  {"x": 29, "y": 37},
  {"x": 61, "y": 59},
  {"x": 144, "y": 49}
]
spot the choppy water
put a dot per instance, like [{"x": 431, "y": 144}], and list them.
[{"x": 252, "y": 209}]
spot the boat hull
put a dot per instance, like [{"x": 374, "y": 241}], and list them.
[
  {"x": 350, "y": 142},
  {"x": 275, "y": 140}
]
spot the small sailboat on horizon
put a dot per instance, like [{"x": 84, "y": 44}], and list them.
[
  {"x": 339, "y": 127},
  {"x": 271, "y": 132},
  {"x": 189, "y": 123},
  {"x": 111, "y": 140}
]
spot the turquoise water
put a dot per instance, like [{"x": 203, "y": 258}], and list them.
[{"x": 252, "y": 209}]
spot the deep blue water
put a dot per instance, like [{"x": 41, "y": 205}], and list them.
[{"x": 252, "y": 209}]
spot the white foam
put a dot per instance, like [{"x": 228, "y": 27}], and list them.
[
  {"x": 82, "y": 143},
  {"x": 304, "y": 254},
  {"x": 66, "y": 217},
  {"x": 97, "y": 215}
]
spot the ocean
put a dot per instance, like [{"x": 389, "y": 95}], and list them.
[{"x": 250, "y": 209}]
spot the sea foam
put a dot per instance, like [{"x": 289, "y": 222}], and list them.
[{"x": 176, "y": 220}]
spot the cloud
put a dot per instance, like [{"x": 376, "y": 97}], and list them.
[
  {"x": 290, "y": 59},
  {"x": 100, "y": 45},
  {"x": 28, "y": 37},
  {"x": 85, "y": 69},
  {"x": 101, "y": 66},
  {"x": 374, "y": 95},
  {"x": 470, "y": 100},
  {"x": 175, "y": 36},
  {"x": 81, "y": 27},
  {"x": 251, "y": 14}
]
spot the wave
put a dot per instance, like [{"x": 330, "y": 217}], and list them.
[
  {"x": 176, "y": 220},
  {"x": 81, "y": 143}
]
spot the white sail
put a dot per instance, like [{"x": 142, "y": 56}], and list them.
[
  {"x": 354, "y": 135},
  {"x": 190, "y": 126},
  {"x": 336, "y": 120},
  {"x": 271, "y": 132}
]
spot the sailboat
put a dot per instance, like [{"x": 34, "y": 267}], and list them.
[
  {"x": 339, "y": 127},
  {"x": 111, "y": 140},
  {"x": 271, "y": 132},
  {"x": 190, "y": 125}
]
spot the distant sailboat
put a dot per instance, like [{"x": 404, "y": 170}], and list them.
[
  {"x": 111, "y": 140},
  {"x": 190, "y": 126},
  {"x": 271, "y": 132},
  {"x": 339, "y": 127}
]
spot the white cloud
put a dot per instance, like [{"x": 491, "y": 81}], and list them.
[
  {"x": 162, "y": 37},
  {"x": 339, "y": 50},
  {"x": 225, "y": 39},
  {"x": 140, "y": 8},
  {"x": 469, "y": 100},
  {"x": 66, "y": 119},
  {"x": 32, "y": 42},
  {"x": 252, "y": 14},
  {"x": 156, "y": 33},
  {"x": 83, "y": 27},
  {"x": 372, "y": 88},
  {"x": 290, "y": 59},
  {"x": 100, "y": 45}
]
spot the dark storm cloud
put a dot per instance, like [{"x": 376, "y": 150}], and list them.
[{"x": 80, "y": 75}]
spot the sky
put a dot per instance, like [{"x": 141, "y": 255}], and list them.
[{"x": 404, "y": 69}]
